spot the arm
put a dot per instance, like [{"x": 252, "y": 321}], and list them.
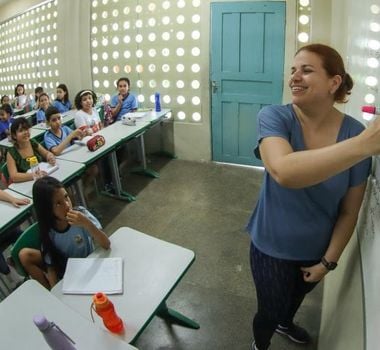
[
  {"x": 49, "y": 156},
  {"x": 6, "y": 197},
  {"x": 14, "y": 174},
  {"x": 57, "y": 150},
  {"x": 77, "y": 218},
  {"x": 343, "y": 229},
  {"x": 306, "y": 168},
  {"x": 115, "y": 110}
]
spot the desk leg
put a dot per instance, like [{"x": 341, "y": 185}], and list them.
[
  {"x": 119, "y": 193},
  {"x": 170, "y": 314},
  {"x": 78, "y": 186},
  {"x": 144, "y": 170}
]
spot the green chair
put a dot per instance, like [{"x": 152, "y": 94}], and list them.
[
  {"x": 30, "y": 238},
  {"x": 4, "y": 174}
]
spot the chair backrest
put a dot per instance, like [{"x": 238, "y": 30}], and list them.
[
  {"x": 30, "y": 238},
  {"x": 4, "y": 174}
]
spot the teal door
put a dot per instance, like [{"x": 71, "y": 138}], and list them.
[{"x": 247, "y": 60}]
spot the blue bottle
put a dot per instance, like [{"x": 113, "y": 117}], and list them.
[
  {"x": 54, "y": 336},
  {"x": 157, "y": 103}
]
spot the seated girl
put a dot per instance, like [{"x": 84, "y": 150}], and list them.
[
  {"x": 43, "y": 103},
  {"x": 59, "y": 136},
  {"x": 66, "y": 232},
  {"x": 23, "y": 149},
  {"x": 62, "y": 102},
  {"x": 87, "y": 117}
]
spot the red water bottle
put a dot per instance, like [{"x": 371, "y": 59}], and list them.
[{"x": 105, "y": 309}]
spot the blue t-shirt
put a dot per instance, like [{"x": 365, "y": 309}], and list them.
[
  {"x": 41, "y": 116},
  {"x": 75, "y": 242},
  {"x": 62, "y": 106},
  {"x": 4, "y": 127},
  {"x": 297, "y": 224},
  {"x": 129, "y": 104},
  {"x": 51, "y": 140}
]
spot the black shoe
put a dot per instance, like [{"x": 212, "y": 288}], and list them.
[{"x": 294, "y": 333}]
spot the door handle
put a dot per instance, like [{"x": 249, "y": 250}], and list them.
[{"x": 214, "y": 86}]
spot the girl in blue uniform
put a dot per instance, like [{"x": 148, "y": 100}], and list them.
[{"x": 66, "y": 232}]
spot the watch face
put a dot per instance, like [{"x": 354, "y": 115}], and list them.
[{"x": 329, "y": 265}]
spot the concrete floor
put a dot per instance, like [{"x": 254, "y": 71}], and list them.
[{"x": 203, "y": 207}]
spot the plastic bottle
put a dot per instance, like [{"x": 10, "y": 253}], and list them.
[
  {"x": 105, "y": 309},
  {"x": 157, "y": 103},
  {"x": 54, "y": 336},
  {"x": 34, "y": 167}
]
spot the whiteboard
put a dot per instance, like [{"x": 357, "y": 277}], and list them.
[{"x": 368, "y": 229}]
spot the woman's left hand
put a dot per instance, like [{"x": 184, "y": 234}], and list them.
[{"x": 314, "y": 273}]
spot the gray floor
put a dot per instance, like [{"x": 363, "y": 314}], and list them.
[{"x": 204, "y": 207}]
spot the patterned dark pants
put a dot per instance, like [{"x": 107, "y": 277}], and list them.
[{"x": 280, "y": 290}]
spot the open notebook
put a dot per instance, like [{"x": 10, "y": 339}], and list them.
[
  {"x": 48, "y": 168},
  {"x": 92, "y": 275}
]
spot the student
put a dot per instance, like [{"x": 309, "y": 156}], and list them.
[
  {"x": 6, "y": 118},
  {"x": 317, "y": 161},
  {"x": 23, "y": 149},
  {"x": 43, "y": 103},
  {"x": 87, "y": 117},
  {"x": 62, "y": 102},
  {"x": 10, "y": 274},
  {"x": 37, "y": 92},
  {"x": 66, "y": 232},
  {"x": 21, "y": 100},
  {"x": 5, "y": 100},
  {"x": 123, "y": 102},
  {"x": 59, "y": 136}
]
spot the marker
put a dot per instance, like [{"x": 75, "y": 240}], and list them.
[{"x": 371, "y": 109}]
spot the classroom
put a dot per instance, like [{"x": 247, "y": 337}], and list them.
[{"x": 183, "y": 170}]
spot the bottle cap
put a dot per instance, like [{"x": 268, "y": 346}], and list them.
[
  {"x": 100, "y": 298},
  {"x": 32, "y": 160},
  {"x": 41, "y": 322}
]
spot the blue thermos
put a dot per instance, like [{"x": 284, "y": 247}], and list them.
[{"x": 157, "y": 103}]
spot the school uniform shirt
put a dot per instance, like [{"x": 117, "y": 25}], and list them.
[
  {"x": 4, "y": 128},
  {"x": 75, "y": 241},
  {"x": 52, "y": 140},
  {"x": 41, "y": 116},
  {"x": 62, "y": 106},
  {"x": 297, "y": 224},
  {"x": 128, "y": 105},
  {"x": 91, "y": 121}
]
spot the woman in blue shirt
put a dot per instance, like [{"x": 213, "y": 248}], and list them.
[{"x": 317, "y": 161}]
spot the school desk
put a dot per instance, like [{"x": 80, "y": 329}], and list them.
[
  {"x": 66, "y": 173},
  {"x": 152, "y": 269},
  {"x": 18, "y": 331},
  {"x": 114, "y": 135},
  {"x": 10, "y": 216}
]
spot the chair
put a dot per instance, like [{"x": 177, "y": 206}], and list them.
[
  {"x": 5, "y": 174},
  {"x": 30, "y": 238}
]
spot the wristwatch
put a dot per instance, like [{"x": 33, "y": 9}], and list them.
[{"x": 327, "y": 264}]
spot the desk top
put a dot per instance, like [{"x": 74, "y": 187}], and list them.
[
  {"x": 18, "y": 331},
  {"x": 67, "y": 117},
  {"x": 9, "y": 213},
  {"x": 152, "y": 268},
  {"x": 65, "y": 173},
  {"x": 114, "y": 135},
  {"x": 5, "y": 143},
  {"x": 27, "y": 114}
]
